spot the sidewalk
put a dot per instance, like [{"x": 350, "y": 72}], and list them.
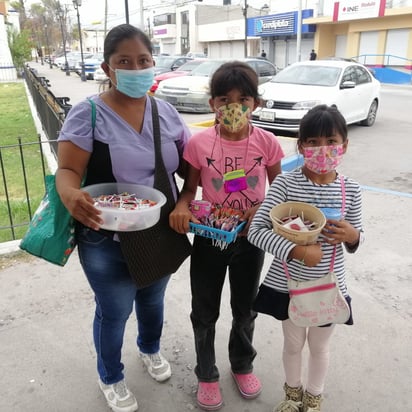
[{"x": 48, "y": 359}]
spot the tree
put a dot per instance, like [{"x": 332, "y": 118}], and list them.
[{"x": 20, "y": 47}]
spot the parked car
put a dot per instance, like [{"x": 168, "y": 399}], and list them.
[
  {"x": 100, "y": 75},
  {"x": 191, "y": 93},
  {"x": 72, "y": 60},
  {"x": 347, "y": 85},
  {"x": 196, "y": 55},
  {"x": 183, "y": 70},
  {"x": 91, "y": 64},
  {"x": 169, "y": 63}
]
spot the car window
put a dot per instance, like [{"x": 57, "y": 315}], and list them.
[
  {"x": 349, "y": 75},
  {"x": 190, "y": 65},
  {"x": 207, "y": 68},
  {"x": 362, "y": 75},
  {"x": 308, "y": 75},
  {"x": 164, "y": 61},
  {"x": 265, "y": 69}
]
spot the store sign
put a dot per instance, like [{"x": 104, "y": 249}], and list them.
[
  {"x": 275, "y": 24},
  {"x": 279, "y": 24},
  {"x": 358, "y": 9}
]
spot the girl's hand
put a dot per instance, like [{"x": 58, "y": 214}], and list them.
[
  {"x": 248, "y": 216},
  {"x": 338, "y": 231},
  {"x": 312, "y": 255},
  {"x": 180, "y": 217}
]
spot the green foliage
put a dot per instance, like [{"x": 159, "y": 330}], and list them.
[{"x": 20, "y": 47}]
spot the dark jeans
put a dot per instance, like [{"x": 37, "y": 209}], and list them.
[
  {"x": 115, "y": 295},
  {"x": 207, "y": 275}
]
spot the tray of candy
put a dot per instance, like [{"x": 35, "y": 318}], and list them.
[{"x": 217, "y": 234}]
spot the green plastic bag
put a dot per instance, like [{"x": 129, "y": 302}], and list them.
[{"x": 50, "y": 235}]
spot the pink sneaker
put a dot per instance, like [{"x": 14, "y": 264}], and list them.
[
  {"x": 248, "y": 384},
  {"x": 209, "y": 397}
]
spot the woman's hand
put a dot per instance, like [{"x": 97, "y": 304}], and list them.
[
  {"x": 81, "y": 206},
  {"x": 180, "y": 217},
  {"x": 340, "y": 231}
]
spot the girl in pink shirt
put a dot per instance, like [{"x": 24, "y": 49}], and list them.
[{"x": 254, "y": 155}]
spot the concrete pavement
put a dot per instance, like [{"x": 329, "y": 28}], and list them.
[{"x": 46, "y": 312}]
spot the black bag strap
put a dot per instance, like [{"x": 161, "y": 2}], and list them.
[{"x": 161, "y": 178}]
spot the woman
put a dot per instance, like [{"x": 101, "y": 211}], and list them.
[{"x": 120, "y": 147}]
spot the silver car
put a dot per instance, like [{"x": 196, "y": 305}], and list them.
[{"x": 191, "y": 93}]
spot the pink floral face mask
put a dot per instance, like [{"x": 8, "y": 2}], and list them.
[{"x": 323, "y": 159}]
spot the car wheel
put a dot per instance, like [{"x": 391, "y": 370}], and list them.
[{"x": 370, "y": 120}]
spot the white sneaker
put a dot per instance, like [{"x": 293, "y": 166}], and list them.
[
  {"x": 118, "y": 397},
  {"x": 157, "y": 366}
]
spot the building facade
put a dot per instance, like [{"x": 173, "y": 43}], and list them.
[{"x": 376, "y": 32}]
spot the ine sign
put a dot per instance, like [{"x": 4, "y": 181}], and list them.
[{"x": 358, "y": 9}]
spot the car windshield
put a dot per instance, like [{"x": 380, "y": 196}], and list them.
[
  {"x": 190, "y": 65},
  {"x": 308, "y": 75},
  {"x": 164, "y": 61},
  {"x": 207, "y": 68}
]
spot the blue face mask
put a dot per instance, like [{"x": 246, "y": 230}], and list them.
[{"x": 134, "y": 83}]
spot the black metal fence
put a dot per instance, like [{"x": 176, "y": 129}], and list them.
[
  {"x": 16, "y": 210},
  {"x": 51, "y": 109}
]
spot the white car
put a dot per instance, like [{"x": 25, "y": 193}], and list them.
[
  {"x": 347, "y": 85},
  {"x": 100, "y": 75}
]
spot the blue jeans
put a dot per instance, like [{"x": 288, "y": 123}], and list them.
[
  {"x": 208, "y": 266},
  {"x": 115, "y": 292}
]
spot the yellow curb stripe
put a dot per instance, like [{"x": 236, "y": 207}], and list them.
[{"x": 207, "y": 123}]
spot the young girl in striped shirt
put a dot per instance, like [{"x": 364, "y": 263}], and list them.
[{"x": 322, "y": 142}]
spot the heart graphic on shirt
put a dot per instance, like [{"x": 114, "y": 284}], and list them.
[
  {"x": 217, "y": 183},
  {"x": 252, "y": 181}
]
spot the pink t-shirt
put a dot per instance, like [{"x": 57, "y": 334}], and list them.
[{"x": 214, "y": 156}]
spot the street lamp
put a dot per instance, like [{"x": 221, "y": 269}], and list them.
[
  {"x": 77, "y": 4},
  {"x": 60, "y": 14}
]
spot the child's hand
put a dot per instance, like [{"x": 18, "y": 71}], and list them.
[
  {"x": 180, "y": 217},
  {"x": 312, "y": 255},
  {"x": 338, "y": 231},
  {"x": 247, "y": 216}
]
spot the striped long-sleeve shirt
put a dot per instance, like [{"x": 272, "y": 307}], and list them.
[{"x": 295, "y": 186}]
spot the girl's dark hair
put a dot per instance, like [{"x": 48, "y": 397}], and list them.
[
  {"x": 322, "y": 121},
  {"x": 234, "y": 75},
  {"x": 120, "y": 33}
]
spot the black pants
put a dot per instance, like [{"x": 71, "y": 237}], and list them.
[{"x": 207, "y": 275}]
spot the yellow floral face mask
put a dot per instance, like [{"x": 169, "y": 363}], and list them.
[{"x": 233, "y": 117}]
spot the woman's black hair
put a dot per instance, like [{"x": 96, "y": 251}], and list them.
[
  {"x": 322, "y": 121},
  {"x": 234, "y": 75},
  {"x": 120, "y": 33}
]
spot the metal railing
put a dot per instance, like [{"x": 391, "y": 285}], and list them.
[
  {"x": 384, "y": 59},
  {"x": 52, "y": 111},
  {"x": 11, "y": 220}
]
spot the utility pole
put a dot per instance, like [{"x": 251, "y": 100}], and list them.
[
  {"x": 299, "y": 33},
  {"x": 105, "y": 18},
  {"x": 126, "y": 10},
  {"x": 245, "y": 15}
]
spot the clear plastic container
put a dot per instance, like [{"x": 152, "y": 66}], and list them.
[{"x": 120, "y": 220}]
